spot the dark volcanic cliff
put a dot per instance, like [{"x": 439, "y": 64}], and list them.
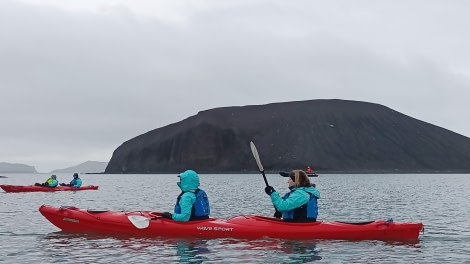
[{"x": 328, "y": 135}]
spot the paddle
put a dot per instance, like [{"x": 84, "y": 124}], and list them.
[
  {"x": 141, "y": 222},
  {"x": 258, "y": 161},
  {"x": 260, "y": 166}
]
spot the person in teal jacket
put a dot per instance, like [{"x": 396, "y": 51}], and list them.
[
  {"x": 51, "y": 182},
  {"x": 192, "y": 203},
  {"x": 298, "y": 205},
  {"x": 75, "y": 182}
]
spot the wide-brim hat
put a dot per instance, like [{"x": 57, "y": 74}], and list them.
[
  {"x": 286, "y": 173},
  {"x": 290, "y": 174}
]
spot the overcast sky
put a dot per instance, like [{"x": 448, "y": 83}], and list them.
[{"x": 79, "y": 78}]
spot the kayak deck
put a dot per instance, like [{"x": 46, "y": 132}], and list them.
[
  {"x": 72, "y": 219},
  {"x": 34, "y": 188}
]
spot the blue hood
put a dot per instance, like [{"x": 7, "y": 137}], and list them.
[
  {"x": 311, "y": 190},
  {"x": 189, "y": 180}
]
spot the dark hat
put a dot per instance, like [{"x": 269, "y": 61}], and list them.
[
  {"x": 75, "y": 175},
  {"x": 287, "y": 174}
]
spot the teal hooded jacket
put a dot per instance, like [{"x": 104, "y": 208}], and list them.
[
  {"x": 295, "y": 199},
  {"x": 76, "y": 182},
  {"x": 189, "y": 182},
  {"x": 52, "y": 182}
]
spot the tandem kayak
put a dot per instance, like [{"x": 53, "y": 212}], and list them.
[
  {"x": 34, "y": 188},
  {"x": 147, "y": 223}
]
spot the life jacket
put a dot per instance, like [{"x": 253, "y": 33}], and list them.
[
  {"x": 305, "y": 213},
  {"x": 200, "y": 209},
  {"x": 52, "y": 182},
  {"x": 76, "y": 182}
]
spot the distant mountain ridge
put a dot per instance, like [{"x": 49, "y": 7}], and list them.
[
  {"x": 86, "y": 167},
  {"x": 6, "y": 167},
  {"x": 329, "y": 135}
]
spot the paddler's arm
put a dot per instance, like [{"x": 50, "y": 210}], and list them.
[
  {"x": 186, "y": 203},
  {"x": 295, "y": 200}
]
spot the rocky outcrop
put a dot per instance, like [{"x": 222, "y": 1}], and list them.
[{"x": 328, "y": 135}]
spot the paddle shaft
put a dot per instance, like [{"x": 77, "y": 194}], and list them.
[
  {"x": 265, "y": 180},
  {"x": 260, "y": 166}
]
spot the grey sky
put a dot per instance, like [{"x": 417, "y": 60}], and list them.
[{"x": 78, "y": 78}]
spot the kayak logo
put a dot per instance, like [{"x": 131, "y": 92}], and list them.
[
  {"x": 215, "y": 228},
  {"x": 71, "y": 220}
]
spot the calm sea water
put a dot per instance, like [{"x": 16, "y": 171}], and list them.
[{"x": 440, "y": 201}]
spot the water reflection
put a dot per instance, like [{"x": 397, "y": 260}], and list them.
[
  {"x": 275, "y": 250},
  {"x": 124, "y": 248},
  {"x": 132, "y": 248},
  {"x": 301, "y": 251},
  {"x": 192, "y": 251},
  {"x": 88, "y": 247},
  {"x": 415, "y": 243}
]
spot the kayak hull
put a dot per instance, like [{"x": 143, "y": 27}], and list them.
[
  {"x": 34, "y": 188},
  {"x": 72, "y": 219}
]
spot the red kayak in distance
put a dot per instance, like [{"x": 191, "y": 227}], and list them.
[
  {"x": 147, "y": 223},
  {"x": 34, "y": 188}
]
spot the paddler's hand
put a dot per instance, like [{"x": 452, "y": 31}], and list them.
[
  {"x": 269, "y": 190},
  {"x": 278, "y": 214},
  {"x": 167, "y": 215}
]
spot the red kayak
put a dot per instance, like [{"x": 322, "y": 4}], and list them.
[
  {"x": 146, "y": 223},
  {"x": 34, "y": 188}
]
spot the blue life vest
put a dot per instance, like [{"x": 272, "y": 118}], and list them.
[
  {"x": 305, "y": 213},
  {"x": 76, "y": 182},
  {"x": 200, "y": 209}
]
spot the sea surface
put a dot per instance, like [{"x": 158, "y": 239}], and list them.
[{"x": 440, "y": 201}]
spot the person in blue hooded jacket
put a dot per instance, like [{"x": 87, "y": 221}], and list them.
[
  {"x": 300, "y": 203},
  {"x": 192, "y": 203},
  {"x": 75, "y": 182}
]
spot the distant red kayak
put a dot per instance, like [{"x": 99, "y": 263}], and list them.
[
  {"x": 34, "y": 188},
  {"x": 146, "y": 223}
]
